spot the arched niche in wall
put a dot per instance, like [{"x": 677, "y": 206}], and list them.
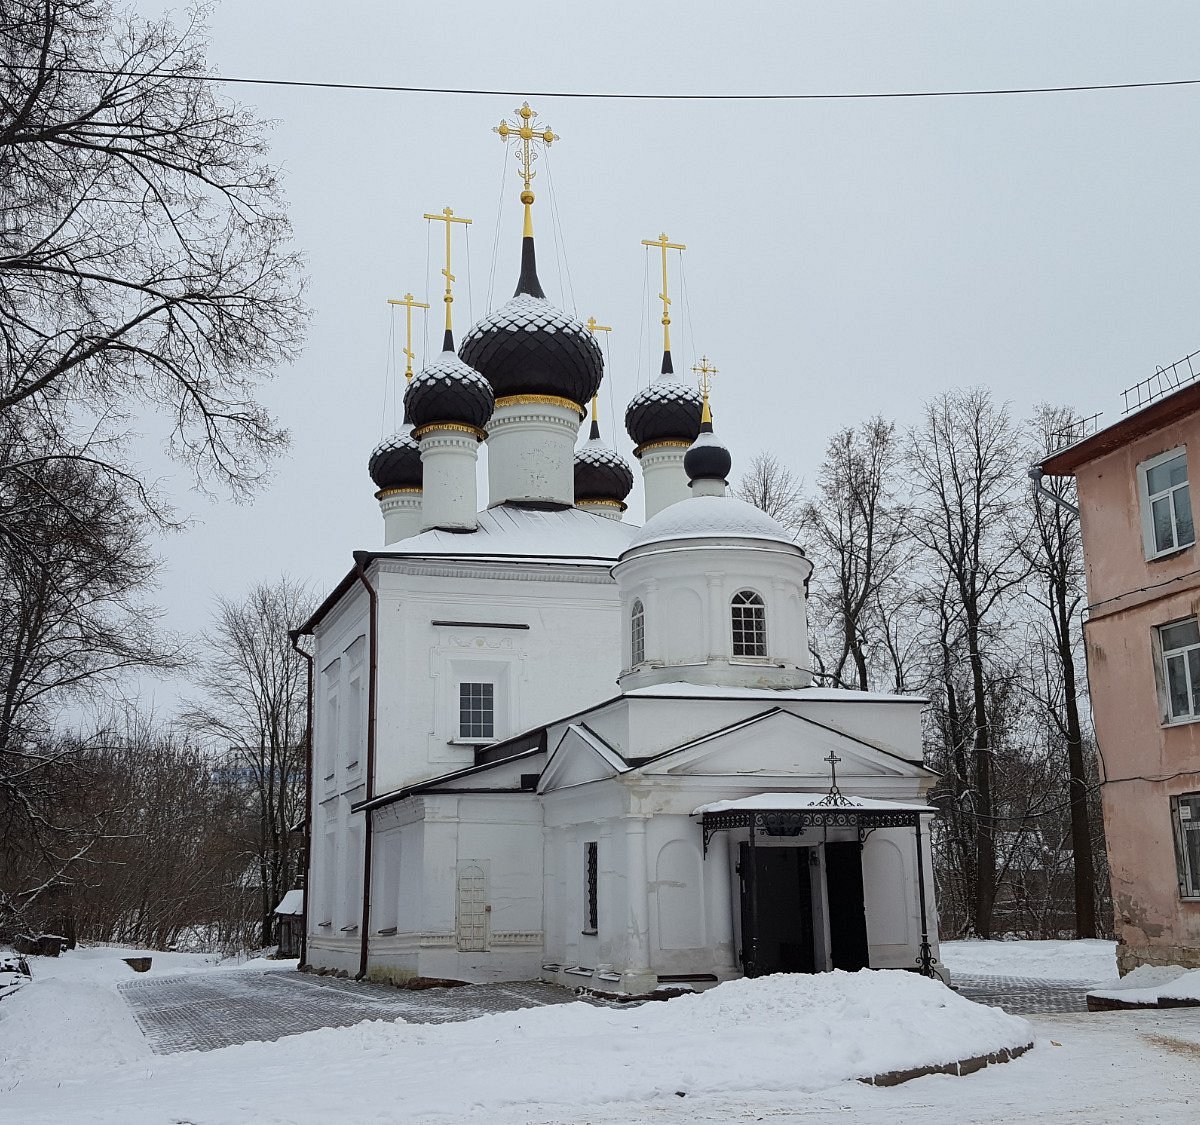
[
  {"x": 684, "y": 627},
  {"x": 885, "y": 889},
  {"x": 679, "y": 887}
]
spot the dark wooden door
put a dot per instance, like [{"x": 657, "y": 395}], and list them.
[
  {"x": 777, "y": 920},
  {"x": 847, "y": 915}
]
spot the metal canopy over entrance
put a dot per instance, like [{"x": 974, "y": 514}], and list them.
[{"x": 791, "y": 814}]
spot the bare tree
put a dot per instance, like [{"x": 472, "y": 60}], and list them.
[
  {"x": 254, "y": 710},
  {"x": 966, "y": 460},
  {"x": 772, "y": 488},
  {"x": 1054, "y": 554},
  {"x": 144, "y": 257},
  {"x": 856, "y": 533}
]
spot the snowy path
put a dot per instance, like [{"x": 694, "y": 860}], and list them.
[{"x": 206, "y": 1011}]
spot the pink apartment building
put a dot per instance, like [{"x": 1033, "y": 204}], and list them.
[{"x": 1143, "y": 655}]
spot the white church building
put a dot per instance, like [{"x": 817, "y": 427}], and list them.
[{"x": 548, "y": 743}]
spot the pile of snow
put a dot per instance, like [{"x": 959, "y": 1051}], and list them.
[
  {"x": 1152, "y": 984},
  {"x": 786, "y": 1034},
  {"x": 1089, "y": 959}
]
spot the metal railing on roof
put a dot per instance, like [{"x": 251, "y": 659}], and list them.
[
  {"x": 1074, "y": 431},
  {"x": 1162, "y": 382}
]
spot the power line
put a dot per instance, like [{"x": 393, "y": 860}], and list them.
[{"x": 608, "y": 96}]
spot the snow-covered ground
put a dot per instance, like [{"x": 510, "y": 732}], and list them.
[
  {"x": 779, "y": 1050},
  {"x": 1087, "y": 960}
]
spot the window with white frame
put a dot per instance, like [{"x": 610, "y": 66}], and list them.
[
  {"x": 749, "y": 617},
  {"x": 1180, "y": 645},
  {"x": 1185, "y": 818},
  {"x": 1166, "y": 504},
  {"x": 477, "y": 711},
  {"x": 637, "y": 633}
]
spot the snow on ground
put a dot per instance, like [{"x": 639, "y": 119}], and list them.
[
  {"x": 70, "y": 1019},
  {"x": 1148, "y": 984},
  {"x": 1085, "y": 960},
  {"x": 781, "y": 1037}
]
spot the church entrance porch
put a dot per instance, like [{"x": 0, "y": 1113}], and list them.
[{"x": 806, "y": 887}]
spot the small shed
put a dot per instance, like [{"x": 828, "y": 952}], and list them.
[{"x": 289, "y": 923}]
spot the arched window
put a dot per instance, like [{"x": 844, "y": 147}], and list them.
[
  {"x": 637, "y": 633},
  {"x": 749, "y": 617}
]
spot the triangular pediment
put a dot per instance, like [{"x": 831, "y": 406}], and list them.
[
  {"x": 779, "y": 744},
  {"x": 580, "y": 756}
]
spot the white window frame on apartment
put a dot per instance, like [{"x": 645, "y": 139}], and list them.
[
  {"x": 1147, "y": 500},
  {"x": 1185, "y": 823},
  {"x": 1179, "y": 660},
  {"x": 489, "y": 710}
]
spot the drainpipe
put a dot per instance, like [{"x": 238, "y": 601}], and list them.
[
  {"x": 361, "y": 558},
  {"x": 1035, "y": 475},
  {"x": 294, "y": 636}
]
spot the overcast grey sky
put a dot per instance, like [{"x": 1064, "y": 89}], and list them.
[{"x": 844, "y": 258}]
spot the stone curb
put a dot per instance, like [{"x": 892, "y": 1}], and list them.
[
  {"x": 958, "y": 1069},
  {"x": 1112, "y": 1004}
]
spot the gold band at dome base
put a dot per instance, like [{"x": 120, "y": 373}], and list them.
[
  {"x": 541, "y": 400},
  {"x": 601, "y": 503},
  {"x": 384, "y": 493},
  {"x": 666, "y": 443},
  {"x": 456, "y": 427}
]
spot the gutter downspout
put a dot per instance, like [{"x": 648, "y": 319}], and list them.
[
  {"x": 361, "y": 559},
  {"x": 294, "y": 637},
  {"x": 1035, "y": 475}
]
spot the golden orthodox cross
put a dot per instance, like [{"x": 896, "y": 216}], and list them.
[
  {"x": 524, "y": 132},
  {"x": 662, "y": 243},
  {"x": 409, "y": 304},
  {"x": 448, "y": 217},
  {"x": 593, "y": 327}
]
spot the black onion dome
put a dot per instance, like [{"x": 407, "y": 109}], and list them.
[
  {"x": 601, "y": 473},
  {"x": 707, "y": 458},
  {"x": 664, "y": 411},
  {"x": 530, "y": 347},
  {"x": 448, "y": 391},
  {"x": 396, "y": 462}
]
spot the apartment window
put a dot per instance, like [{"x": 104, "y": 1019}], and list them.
[
  {"x": 591, "y": 874},
  {"x": 477, "y": 711},
  {"x": 1185, "y": 817},
  {"x": 749, "y": 617},
  {"x": 637, "y": 633},
  {"x": 1180, "y": 644},
  {"x": 1166, "y": 504}
]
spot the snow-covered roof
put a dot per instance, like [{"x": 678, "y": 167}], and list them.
[
  {"x": 680, "y": 690},
  {"x": 291, "y": 903},
  {"x": 796, "y": 802},
  {"x": 510, "y": 531},
  {"x": 708, "y": 517}
]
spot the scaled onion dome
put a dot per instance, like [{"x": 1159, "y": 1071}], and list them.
[
  {"x": 448, "y": 391},
  {"x": 667, "y": 410},
  {"x": 529, "y": 347},
  {"x": 396, "y": 462},
  {"x": 707, "y": 458},
  {"x": 601, "y": 473}
]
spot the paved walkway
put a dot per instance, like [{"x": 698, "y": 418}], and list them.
[
  {"x": 1025, "y": 995},
  {"x": 203, "y": 1011}
]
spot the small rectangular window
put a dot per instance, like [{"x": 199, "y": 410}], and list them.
[
  {"x": 477, "y": 711},
  {"x": 1166, "y": 504},
  {"x": 1180, "y": 644},
  {"x": 592, "y": 881},
  {"x": 1185, "y": 816}
]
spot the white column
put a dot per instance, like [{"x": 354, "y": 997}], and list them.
[
  {"x": 707, "y": 487},
  {"x": 448, "y": 457},
  {"x": 663, "y": 477},
  {"x": 718, "y": 646},
  {"x": 401, "y": 508},
  {"x": 720, "y": 906},
  {"x": 637, "y": 975},
  {"x": 531, "y": 449}
]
